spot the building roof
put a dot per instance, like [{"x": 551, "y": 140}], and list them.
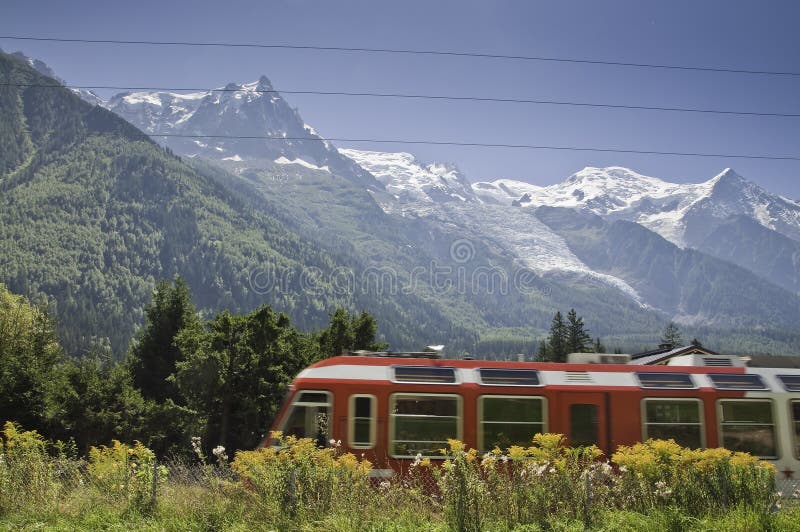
[{"x": 666, "y": 352}]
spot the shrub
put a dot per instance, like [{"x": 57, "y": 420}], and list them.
[
  {"x": 300, "y": 481},
  {"x": 126, "y": 472},
  {"x": 660, "y": 473},
  {"x": 27, "y": 476}
]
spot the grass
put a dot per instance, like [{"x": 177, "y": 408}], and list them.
[{"x": 655, "y": 486}]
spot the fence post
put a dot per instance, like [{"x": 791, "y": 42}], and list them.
[
  {"x": 588, "y": 500},
  {"x": 154, "y": 488}
]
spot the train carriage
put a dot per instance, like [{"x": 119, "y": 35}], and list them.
[{"x": 392, "y": 409}]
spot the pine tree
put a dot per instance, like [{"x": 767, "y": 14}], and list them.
[
  {"x": 542, "y": 355},
  {"x": 671, "y": 334},
  {"x": 365, "y": 329},
  {"x": 153, "y": 357},
  {"x": 578, "y": 339},
  {"x": 557, "y": 341},
  {"x": 598, "y": 346}
]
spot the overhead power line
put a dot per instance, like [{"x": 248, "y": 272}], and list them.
[
  {"x": 439, "y": 97},
  {"x": 407, "y": 51},
  {"x": 481, "y": 145}
]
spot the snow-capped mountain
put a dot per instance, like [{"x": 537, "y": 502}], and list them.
[
  {"x": 409, "y": 180},
  {"x": 684, "y": 213},
  {"x": 238, "y": 110},
  {"x": 690, "y": 215}
]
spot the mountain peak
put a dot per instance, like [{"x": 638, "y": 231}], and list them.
[
  {"x": 264, "y": 84},
  {"x": 40, "y": 66},
  {"x": 729, "y": 174}
]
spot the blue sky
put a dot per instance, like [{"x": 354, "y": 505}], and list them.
[{"x": 748, "y": 35}]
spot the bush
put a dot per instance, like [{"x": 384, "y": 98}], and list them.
[
  {"x": 27, "y": 475},
  {"x": 300, "y": 481},
  {"x": 126, "y": 472},
  {"x": 661, "y": 473}
]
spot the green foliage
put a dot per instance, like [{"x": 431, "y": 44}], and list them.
[
  {"x": 671, "y": 335},
  {"x": 557, "y": 341},
  {"x": 348, "y": 332},
  {"x": 297, "y": 485},
  {"x": 578, "y": 339},
  {"x": 236, "y": 371},
  {"x": 27, "y": 477},
  {"x": 30, "y": 362},
  {"x": 127, "y": 473},
  {"x": 296, "y": 481},
  {"x": 154, "y": 355}
]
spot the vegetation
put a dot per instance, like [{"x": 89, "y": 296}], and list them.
[
  {"x": 567, "y": 337},
  {"x": 297, "y": 485},
  {"x": 223, "y": 378}
]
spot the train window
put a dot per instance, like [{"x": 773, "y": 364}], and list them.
[
  {"x": 422, "y": 423},
  {"x": 583, "y": 425},
  {"x": 790, "y": 382},
  {"x": 362, "y": 421},
  {"x": 677, "y": 419},
  {"x": 425, "y": 374},
  {"x": 795, "y": 407},
  {"x": 509, "y": 377},
  {"x": 747, "y": 425},
  {"x": 665, "y": 380},
  {"x": 309, "y": 416},
  {"x": 507, "y": 420},
  {"x": 737, "y": 381}
]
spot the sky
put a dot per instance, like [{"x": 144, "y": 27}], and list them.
[{"x": 751, "y": 35}]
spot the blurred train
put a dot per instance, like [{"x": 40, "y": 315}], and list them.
[{"x": 394, "y": 408}]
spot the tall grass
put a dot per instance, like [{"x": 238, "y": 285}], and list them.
[{"x": 297, "y": 485}]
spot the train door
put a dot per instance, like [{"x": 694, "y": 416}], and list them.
[{"x": 584, "y": 418}]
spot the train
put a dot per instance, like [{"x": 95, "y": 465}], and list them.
[{"x": 394, "y": 409}]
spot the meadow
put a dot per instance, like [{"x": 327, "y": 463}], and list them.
[{"x": 656, "y": 485}]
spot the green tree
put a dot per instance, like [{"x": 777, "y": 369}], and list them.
[
  {"x": 365, "y": 331},
  {"x": 578, "y": 339},
  {"x": 338, "y": 337},
  {"x": 99, "y": 404},
  {"x": 30, "y": 363},
  {"x": 557, "y": 341},
  {"x": 671, "y": 334},
  {"x": 542, "y": 354},
  {"x": 236, "y": 371},
  {"x": 347, "y": 332},
  {"x": 154, "y": 355},
  {"x": 598, "y": 346}
]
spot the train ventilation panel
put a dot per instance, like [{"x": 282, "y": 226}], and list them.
[
  {"x": 578, "y": 376},
  {"x": 712, "y": 361}
]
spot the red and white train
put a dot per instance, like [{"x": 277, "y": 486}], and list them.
[{"x": 391, "y": 409}]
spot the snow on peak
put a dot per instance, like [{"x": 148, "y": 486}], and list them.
[
  {"x": 409, "y": 179},
  {"x": 301, "y": 162}
]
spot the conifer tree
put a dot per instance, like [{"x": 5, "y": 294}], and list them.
[
  {"x": 153, "y": 356},
  {"x": 598, "y": 346},
  {"x": 557, "y": 341},
  {"x": 542, "y": 355},
  {"x": 671, "y": 334},
  {"x": 578, "y": 339}
]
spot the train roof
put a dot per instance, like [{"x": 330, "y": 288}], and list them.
[{"x": 428, "y": 371}]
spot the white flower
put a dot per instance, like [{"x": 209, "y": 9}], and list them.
[{"x": 219, "y": 452}]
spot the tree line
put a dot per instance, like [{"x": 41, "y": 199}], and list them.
[{"x": 222, "y": 379}]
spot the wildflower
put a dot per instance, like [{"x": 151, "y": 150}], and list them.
[
  {"x": 552, "y": 470},
  {"x": 385, "y": 485},
  {"x": 417, "y": 460},
  {"x": 504, "y": 459},
  {"x": 219, "y": 452}
]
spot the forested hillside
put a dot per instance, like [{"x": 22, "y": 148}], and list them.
[{"x": 93, "y": 214}]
